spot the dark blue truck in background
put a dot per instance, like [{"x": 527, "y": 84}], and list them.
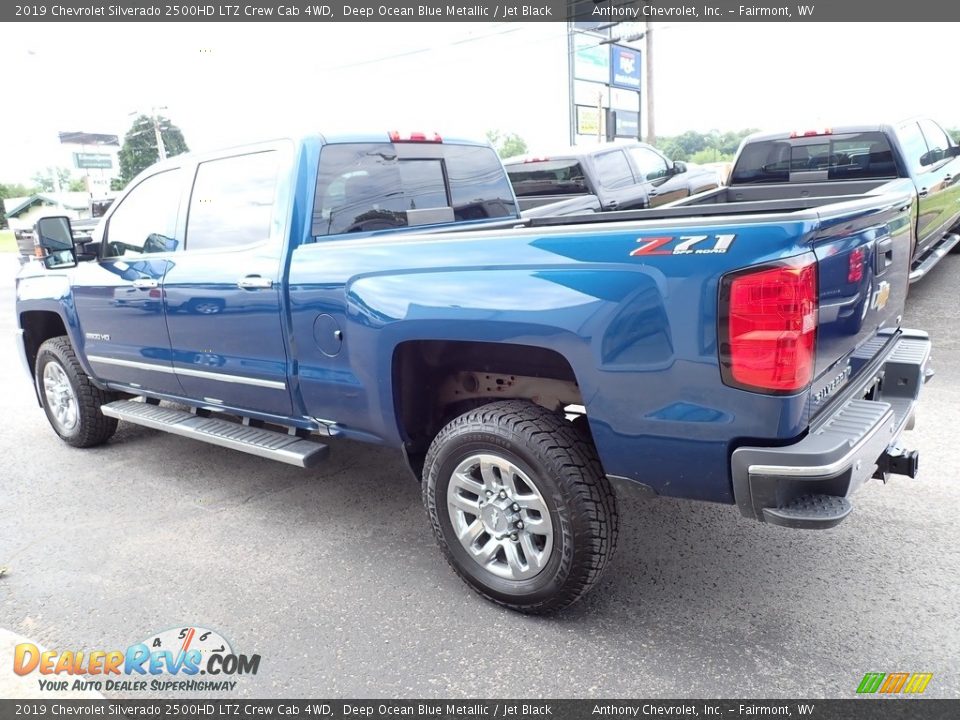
[{"x": 383, "y": 288}]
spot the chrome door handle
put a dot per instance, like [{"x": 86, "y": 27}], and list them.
[
  {"x": 923, "y": 192},
  {"x": 254, "y": 282},
  {"x": 145, "y": 284}
]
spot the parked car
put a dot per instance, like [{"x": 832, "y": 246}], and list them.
[
  {"x": 853, "y": 160},
  {"x": 383, "y": 288},
  {"x": 604, "y": 177}
]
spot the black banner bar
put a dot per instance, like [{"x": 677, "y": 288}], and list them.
[
  {"x": 482, "y": 11},
  {"x": 872, "y": 708}
]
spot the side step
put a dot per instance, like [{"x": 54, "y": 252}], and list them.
[
  {"x": 934, "y": 256},
  {"x": 811, "y": 512},
  {"x": 256, "y": 441}
]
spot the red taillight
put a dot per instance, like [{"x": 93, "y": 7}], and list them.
[
  {"x": 855, "y": 271},
  {"x": 768, "y": 328},
  {"x": 414, "y": 137},
  {"x": 537, "y": 159}
]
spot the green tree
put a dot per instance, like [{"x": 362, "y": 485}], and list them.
[
  {"x": 694, "y": 146},
  {"x": 955, "y": 134},
  {"x": 140, "y": 150},
  {"x": 47, "y": 179},
  {"x": 507, "y": 145},
  {"x": 11, "y": 190}
]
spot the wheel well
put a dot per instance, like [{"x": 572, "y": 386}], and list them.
[
  {"x": 436, "y": 380},
  {"x": 38, "y": 327}
]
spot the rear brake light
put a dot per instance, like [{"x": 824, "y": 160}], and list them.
[
  {"x": 414, "y": 137},
  {"x": 768, "y": 328},
  {"x": 811, "y": 133},
  {"x": 855, "y": 271},
  {"x": 536, "y": 160}
]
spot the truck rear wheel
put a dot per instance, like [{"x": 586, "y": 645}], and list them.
[
  {"x": 71, "y": 402},
  {"x": 520, "y": 505}
]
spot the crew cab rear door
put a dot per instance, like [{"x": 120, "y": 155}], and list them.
[
  {"x": 223, "y": 294},
  {"x": 938, "y": 185}
]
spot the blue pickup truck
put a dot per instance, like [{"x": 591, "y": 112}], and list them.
[{"x": 383, "y": 288}]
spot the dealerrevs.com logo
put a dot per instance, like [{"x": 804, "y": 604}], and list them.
[{"x": 172, "y": 660}]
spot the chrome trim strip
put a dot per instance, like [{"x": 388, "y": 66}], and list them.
[
  {"x": 220, "y": 377},
  {"x": 830, "y": 469}
]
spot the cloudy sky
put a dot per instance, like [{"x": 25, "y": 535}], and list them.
[{"x": 229, "y": 83}]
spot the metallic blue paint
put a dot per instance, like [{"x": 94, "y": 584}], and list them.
[{"x": 639, "y": 332}]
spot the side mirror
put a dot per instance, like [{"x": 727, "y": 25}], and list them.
[
  {"x": 55, "y": 238},
  {"x": 679, "y": 167}
]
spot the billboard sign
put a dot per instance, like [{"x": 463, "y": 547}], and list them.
[
  {"x": 591, "y": 61},
  {"x": 588, "y": 120},
  {"x": 625, "y": 67},
  {"x": 92, "y": 161},
  {"x": 626, "y": 124}
]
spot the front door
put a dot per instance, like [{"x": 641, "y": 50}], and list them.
[
  {"x": 119, "y": 297},
  {"x": 223, "y": 294}
]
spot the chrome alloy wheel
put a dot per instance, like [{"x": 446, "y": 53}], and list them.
[
  {"x": 61, "y": 399},
  {"x": 500, "y": 517}
]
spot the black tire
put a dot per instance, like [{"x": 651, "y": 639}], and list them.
[
  {"x": 564, "y": 466},
  {"x": 92, "y": 427}
]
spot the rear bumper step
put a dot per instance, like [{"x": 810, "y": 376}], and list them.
[
  {"x": 808, "y": 484},
  {"x": 810, "y": 511},
  {"x": 269, "y": 444}
]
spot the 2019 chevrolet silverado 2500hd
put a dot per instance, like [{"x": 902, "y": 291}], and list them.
[{"x": 383, "y": 288}]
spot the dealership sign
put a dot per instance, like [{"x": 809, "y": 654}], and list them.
[
  {"x": 591, "y": 61},
  {"x": 92, "y": 161},
  {"x": 625, "y": 67}
]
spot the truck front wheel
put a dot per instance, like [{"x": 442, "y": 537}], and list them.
[
  {"x": 71, "y": 402},
  {"x": 520, "y": 505}
]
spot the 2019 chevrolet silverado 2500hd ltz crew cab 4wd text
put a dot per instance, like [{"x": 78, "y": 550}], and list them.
[{"x": 383, "y": 288}]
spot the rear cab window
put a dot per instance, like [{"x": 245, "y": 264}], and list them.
[
  {"x": 535, "y": 177},
  {"x": 364, "y": 187},
  {"x": 845, "y": 156}
]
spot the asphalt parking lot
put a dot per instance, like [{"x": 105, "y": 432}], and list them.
[{"x": 332, "y": 575}]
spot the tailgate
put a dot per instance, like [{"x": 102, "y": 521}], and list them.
[{"x": 863, "y": 255}]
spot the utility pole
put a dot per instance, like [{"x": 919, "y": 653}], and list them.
[
  {"x": 651, "y": 128},
  {"x": 156, "y": 130}
]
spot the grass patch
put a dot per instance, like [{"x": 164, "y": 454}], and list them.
[{"x": 8, "y": 243}]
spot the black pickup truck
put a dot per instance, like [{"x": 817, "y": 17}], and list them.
[
  {"x": 856, "y": 160},
  {"x": 603, "y": 178}
]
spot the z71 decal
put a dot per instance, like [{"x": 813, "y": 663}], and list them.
[{"x": 685, "y": 245}]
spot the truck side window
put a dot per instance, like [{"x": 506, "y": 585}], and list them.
[
  {"x": 613, "y": 170},
  {"x": 232, "y": 201},
  {"x": 652, "y": 166},
  {"x": 937, "y": 140},
  {"x": 478, "y": 186},
  {"x": 914, "y": 145},
  {"x": 145, "y": 221}
]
